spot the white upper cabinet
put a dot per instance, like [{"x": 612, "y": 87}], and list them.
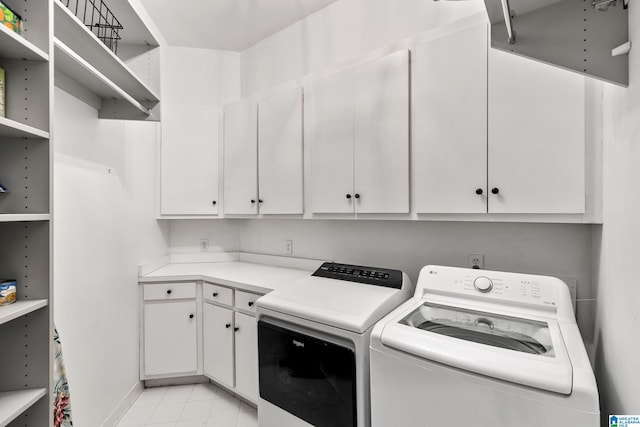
[
  {"x": 330, "y": 109},
  {"x": 280, "y": 152},
  {"x": 241, "y": 158},
  {"x": 189, "y": 165},
  {"x": 360, "y": 138},
  {"x": 449, "y": 120},
  {"x": 381, "y": 137},
  {"x": 536, "y": 137}
]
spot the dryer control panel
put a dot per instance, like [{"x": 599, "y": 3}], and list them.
[{"x": 360, "y": 274}]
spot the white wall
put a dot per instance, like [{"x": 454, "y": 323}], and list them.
[
  {"x": 341, "y": 31},
  {"x": 617, "y": 252},
  {"x": 104, "y": 210},
  {"x": 552, "y": 249},
  {"x": 223, "y": 235},
  {"x": 192, "y": 76}
]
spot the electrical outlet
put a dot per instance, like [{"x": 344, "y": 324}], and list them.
[
  {"x": 204, "y": 244},
  {"x": 288, "y": 247},
  {"x": 476, "y": 261}
]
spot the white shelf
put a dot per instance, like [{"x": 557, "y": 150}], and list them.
[
  {"x": 69, "y": 30},
  {"x": 20, "y": 308},
  {"x": 12, "y": 129},
  {"x": 15, "y": 46},
  {"x": 135, "y": 20},
  {"x": 14, "y": 403},
  {"x": 73, "y": 65},
  {"x": 23, "y": 217}
]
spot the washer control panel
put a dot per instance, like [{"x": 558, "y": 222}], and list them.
[
  {"x": 483, "y": 284},
  {"x": 514, "y": 287}
]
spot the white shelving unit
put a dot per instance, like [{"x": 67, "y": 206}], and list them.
[
  {"x": 14, "y": 403},
  {"x": 12, "y": 129},
  {"x": 76, "y": 67},
  {"x": 80, "y": 55},
  {"x": 20, "y": 308},
  {"x": 25, "y": 217},
  {"x": 17, "y": 47}
]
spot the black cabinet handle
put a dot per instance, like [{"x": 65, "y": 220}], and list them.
[
  {"x": 236, "y": 329},
  {"x": 228, "y": 325},
  {"x": 250, "y": 303},
  {"x": 357, "y": 196},
  {"x": 168, "y": 291},
  {"x": 252, "y": 201},
  {"x": 348, "y": 196},
  {"x": 191, "y": 316},
  {"x": 214, "y": 203},
  {"x": 495, "y": 190},
  {"x": 479, "y": 191},
  {"x": 215, "y": 294},
  {"x": 259, "y": 200}
]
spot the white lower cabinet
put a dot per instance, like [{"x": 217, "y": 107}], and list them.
[
  {"x": 218, "y": 343},
  {"x": 230, "y": 339},
  {"x": 246, "y": 336},
  {"x": 170, "y": 338},
  {"x": 228, "y": 350}
]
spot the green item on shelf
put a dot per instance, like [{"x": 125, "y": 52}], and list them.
[
  {"x": 2, "y": 92},
  {"x": 10, "y": 19}
]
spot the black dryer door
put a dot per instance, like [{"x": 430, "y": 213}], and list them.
[{"x": 313, "y": 379}]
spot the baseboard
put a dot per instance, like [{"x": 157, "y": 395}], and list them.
[
  {"x": 124, "y": 405},
  {"x": 161, "y": 382}
]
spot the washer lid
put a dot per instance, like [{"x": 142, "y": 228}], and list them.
[
  {"x": 522, "y": 350},
  {"x": 512, "y": 333},
  {"x": 342, "y": 304}
]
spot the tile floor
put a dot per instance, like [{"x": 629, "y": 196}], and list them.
[{"x": 189, "y": 406}]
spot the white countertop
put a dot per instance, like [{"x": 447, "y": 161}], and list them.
[{"x": 248, "y": 276}]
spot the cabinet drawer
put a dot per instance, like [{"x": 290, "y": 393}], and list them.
[
  {"x": 218, "y": 294},
  {"x": 168, "y": 291},
  {"x": 246, "y": 301}
]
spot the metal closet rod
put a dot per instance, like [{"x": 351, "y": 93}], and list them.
[{"x": 507, "y": 20}]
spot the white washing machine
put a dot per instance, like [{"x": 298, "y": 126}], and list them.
[
  {"x": 482, "y": 348},
  {"x": 313, "y": 345}
]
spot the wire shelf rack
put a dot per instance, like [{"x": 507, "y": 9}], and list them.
[{"x": 97, "y": 16}]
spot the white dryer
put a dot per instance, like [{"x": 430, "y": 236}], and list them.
[
  {"x": 482, "y": 348},
  {"x": 313, "y": 345}
]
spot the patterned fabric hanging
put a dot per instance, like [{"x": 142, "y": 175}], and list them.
[{"x": 61, "y": 403}]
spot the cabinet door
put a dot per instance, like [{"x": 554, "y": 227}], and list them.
[
  {"x": 218, "y": 343},
  {"x": 189, "y": 161},
  {"x": 449, "y": 141},
  {"x": 241, "y": 158},
  {"x": 280, "y": 152},
  {"x": 170, "y": 338},
  {"x": 536, "y": 137},
  {"x": 329, "y": 108},
  {"x": 382, "y": 135},
  {"x": 247, "y": 356}
]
